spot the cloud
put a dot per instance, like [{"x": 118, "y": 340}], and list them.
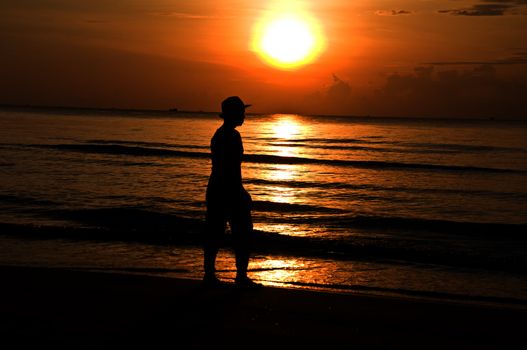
[
  {"x": 478, "y": 91},
  {"x": 475, "y": 92},
  {"x": 333, "y": 98},
  {"x": 488, "y": 8},
  {"x": 515, "y": 2},
  {"x": 480, "y": 10},
  {"x": 181, "y": 15},
  {"x": 338, "y": 92},
  {"x": 519, "y": 57},
  {"x": 393, "y": 12}
]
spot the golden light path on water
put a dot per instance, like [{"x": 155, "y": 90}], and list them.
[
  {"x": 283, "y": 132},
  {"x": 299, "y": 272},
  {"x": 284, "y": 172},
  {"x": 277, "y": 271},
  {"x": 285, "y": 136},
  {"x": 285, "y": 128}
]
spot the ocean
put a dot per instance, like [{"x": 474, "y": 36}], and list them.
[{"x": 424, "y": 208}]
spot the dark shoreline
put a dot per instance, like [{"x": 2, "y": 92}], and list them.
[{"x": 59, "y": 307}]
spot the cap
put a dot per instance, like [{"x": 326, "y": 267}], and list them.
[{"x": 232, "y": 105}]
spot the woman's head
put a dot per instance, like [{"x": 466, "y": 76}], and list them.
[{"x": 233, "y": 110}]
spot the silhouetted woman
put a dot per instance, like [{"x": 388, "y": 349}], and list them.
[{"x": 227, "y": 200}]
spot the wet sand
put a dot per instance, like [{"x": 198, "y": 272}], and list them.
[{"x": 80, "y": 309}]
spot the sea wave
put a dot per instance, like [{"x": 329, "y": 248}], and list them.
[
  {"x": 268, "y": 159},
  {"x": 363, "y": 144},
  {"x": 346, "y": 222},
  {"x": 488, "y": 230},
  {"x": 123, "y": 150},
  {"x": 146, "y": 144},
  {"x": 371, "y": 164},
  {"x": 135, "y": 225},
  {"x": 397, "y": 147},
  {"x": 376, "y": 188},
  {"x": 280, "y": 207},
  {"x": 25, "y": 200},
  {"x": 158, "y": 212}
]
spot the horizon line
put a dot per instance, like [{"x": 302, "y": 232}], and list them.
[{"x": 178, "y": 111}]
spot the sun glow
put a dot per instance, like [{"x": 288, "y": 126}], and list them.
[
  {"x": 288, "y": 40},
  {"x": 286, "y": 128}
]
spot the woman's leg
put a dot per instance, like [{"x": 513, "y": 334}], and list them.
[
  {"x": 214, "y": 231},
  {"x": 242, "y": 232}
]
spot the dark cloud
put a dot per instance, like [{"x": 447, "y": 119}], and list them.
[
  {"x": 334, "y": 98},
  {"x": 488, "y": 8},
  {"x": 479, "y": 91},
  {"x": 519, "y": 57},
  {"x": 476, "y": 92},
  {"x": 393, "y": 12},
  {"x": 480, "y": 10},
  {"x": 339, "y": 91},
  {"x": 514, "y": 2}
]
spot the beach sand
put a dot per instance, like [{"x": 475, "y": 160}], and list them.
[{"x": 80, "y": 309}]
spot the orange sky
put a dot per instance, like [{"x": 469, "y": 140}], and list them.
[{"x": 396, "y": 58}]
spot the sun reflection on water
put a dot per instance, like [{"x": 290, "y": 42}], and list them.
[
  {"x": 280, "y": 130},
  {"x": 276, "y": 270},
  {"x": 285, "y": 134},
  {"x": 284, "y": 229},
  {"x": 287, "y": 127},
  {"x": 303, "y": 272},
  {"x": 282, "y": 172}
]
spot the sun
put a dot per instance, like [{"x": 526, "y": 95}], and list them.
[{"x": 288, "y": 41}]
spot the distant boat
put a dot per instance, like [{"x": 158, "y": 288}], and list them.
[{"x": 173, "y": 110}]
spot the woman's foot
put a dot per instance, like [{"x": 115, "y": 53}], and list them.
[{"x": 246, "y": 282}]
